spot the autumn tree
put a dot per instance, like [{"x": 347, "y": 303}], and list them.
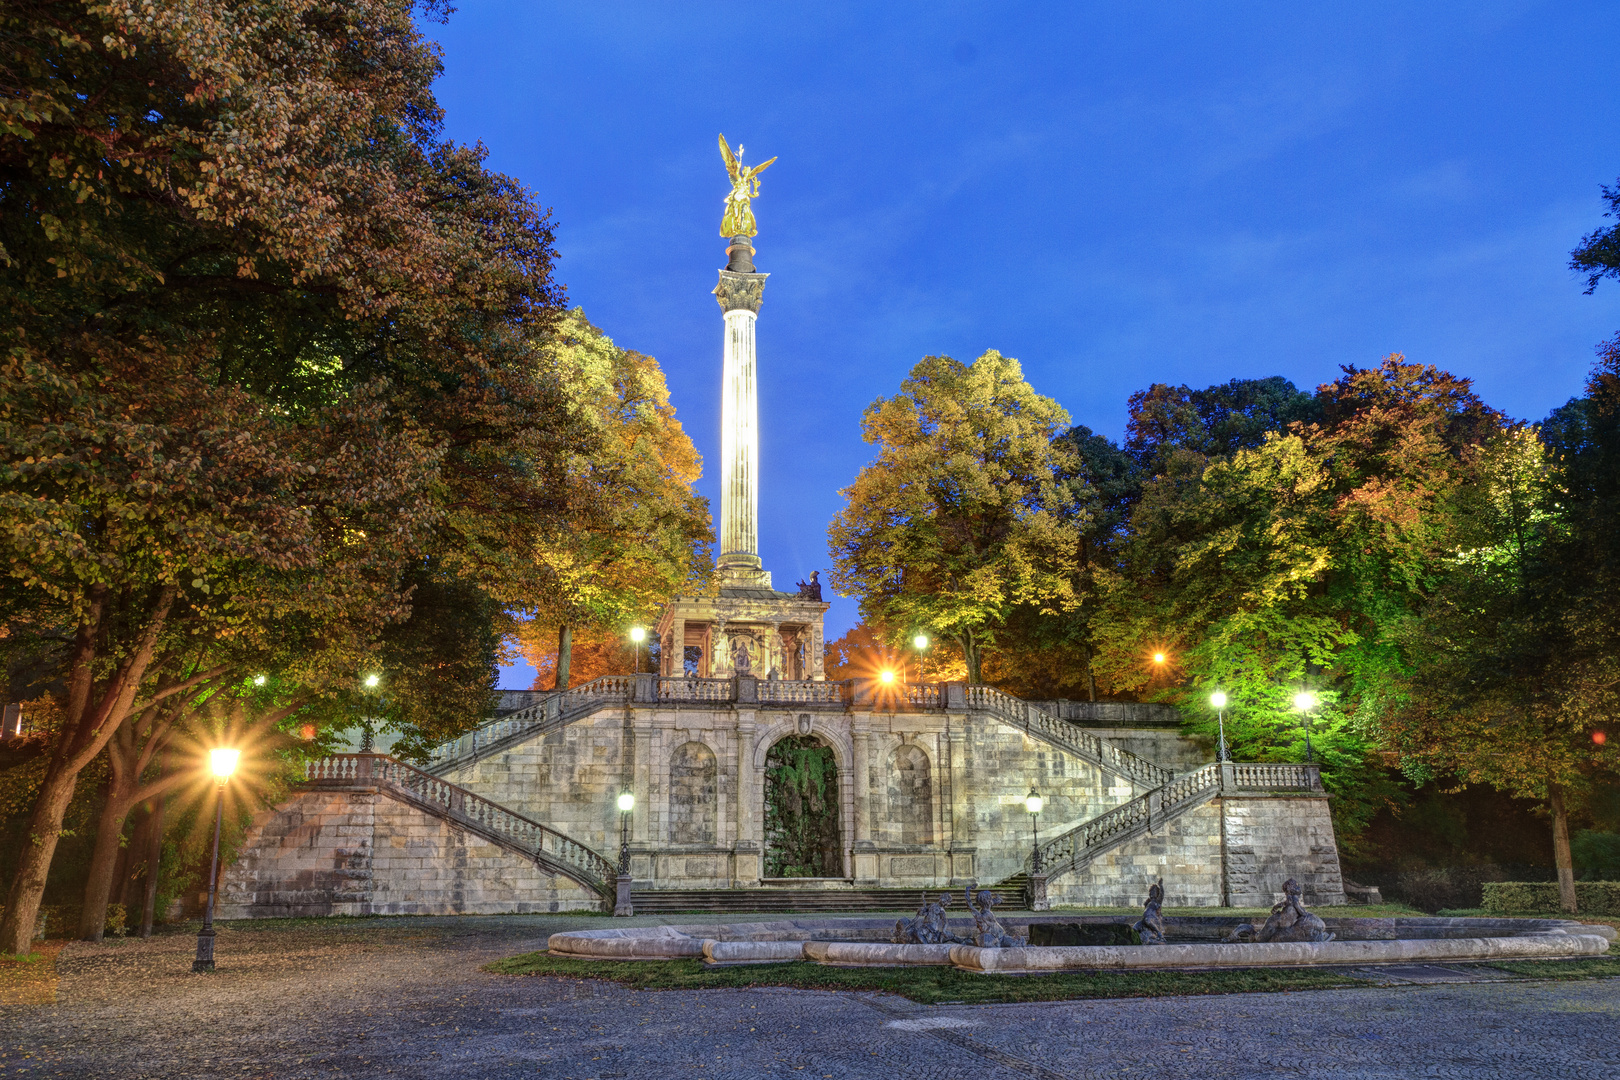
[
  {"x": 966, "y": 514},
  {"x": 633, "y": 531},
  {"x": 268, "y": 363}
]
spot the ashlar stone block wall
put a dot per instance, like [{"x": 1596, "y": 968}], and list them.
[
  {"x": 1270, "y": 839},
  {"x": 352, "y": 852},
  {"x": 1186, "y": 853}
]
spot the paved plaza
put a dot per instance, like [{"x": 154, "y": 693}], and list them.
[{"x": 406, "y": 998}]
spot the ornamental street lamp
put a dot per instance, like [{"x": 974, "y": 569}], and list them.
[
  {"x": 638, "y": 634},
  {"x": 627, "y": 803},
  {"x": 920, "y": 642},
  {"x": 1305, "y": 701},
  {"x": 1218, "y": 699},
  {"x": 1033, "y": 804},
  {"x": 222, "y": 761},
  {"x": 372, "y": 681}
]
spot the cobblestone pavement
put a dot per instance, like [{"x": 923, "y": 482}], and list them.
[{"x": 406, "y": 998}]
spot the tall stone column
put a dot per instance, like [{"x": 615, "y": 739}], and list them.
[{"x": 740, "y": 293}]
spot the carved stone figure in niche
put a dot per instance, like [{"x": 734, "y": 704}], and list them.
[
  {"x": 811, "y": 590},
  {"x": 742, "y": 660},
  {"x": 1289, "y": 921},
  {"x": 929, "y": 927},
  {"x": 988, "y": 933},
  {"x": 1150, "y": 927}
]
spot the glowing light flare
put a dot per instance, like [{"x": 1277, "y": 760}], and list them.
[
  {"x": 627, "y": 802},
  {"x": 222, "y": 760},
  {"x": 638, "y": 634},
  {"x": 1218, "y": 700},
  {"x": 258, "y": 680},
  {"x": 886, "y": 676},
  {"x": 1033, "y": 801},
  {"x": 307, "y": 732},
  {"x": 920, "y": 642},
  {"x": 372, "y": 681},
  {"x": 1304, "y": 701},
  {"x": 1599, "y": 737},
  {"x": 1158, "y": 658}
]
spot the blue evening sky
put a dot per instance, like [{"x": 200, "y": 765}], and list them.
[{"x": 1114, "y": 194}]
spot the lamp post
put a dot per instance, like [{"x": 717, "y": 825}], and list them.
[
  {"x": 372, "y": 681},
  {"x": 1218, "y": 699},
  {"x": 223, "y": 762},
  {"x": 920, "y": 642},
  {"x": 638, "y": 634},
  {"x": 627, "y": 803},
  {"x": 1305, "y": 701},
  {"x": 1033, "y": 804},
  {"x": 623, "y": 903}
]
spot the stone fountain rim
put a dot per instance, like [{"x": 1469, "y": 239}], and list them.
[{"x": 811, "y": 939}]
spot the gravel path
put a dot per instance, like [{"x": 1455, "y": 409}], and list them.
[{"x": 405, "y": 998}]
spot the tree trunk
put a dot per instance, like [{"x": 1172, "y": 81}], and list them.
[
  {"x": 1561, "y": 855},
  {"x": 1091, "y": 679},
  {"x": 154, "y": 859},
  {"x": 565, "y": 649},
  {"x": 971, "y": 657},
  {"x": 44, "y": 830},
  {"x": 104, "y": 858}
]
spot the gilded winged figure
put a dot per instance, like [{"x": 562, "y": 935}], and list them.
[{"x": 739, "y": 219}]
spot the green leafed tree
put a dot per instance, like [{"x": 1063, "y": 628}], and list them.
[
  {"x": 633, "y": 532},
  {"x": 967, "y": 514}
]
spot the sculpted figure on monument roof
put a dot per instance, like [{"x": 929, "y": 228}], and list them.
[{"x": 739, "y": 219}]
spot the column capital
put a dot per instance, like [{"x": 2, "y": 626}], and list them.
[{"x": 740, "y": 292}]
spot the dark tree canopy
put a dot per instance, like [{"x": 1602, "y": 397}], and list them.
[{"x": 1598, "y": 254}]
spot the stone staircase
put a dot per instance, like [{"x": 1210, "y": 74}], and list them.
[
  {"x": 806, "y": 901},
  {"x": 1076, "y": 848},
  {"x": 545, "y": 846}
]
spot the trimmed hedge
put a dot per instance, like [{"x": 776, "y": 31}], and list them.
[{"x": 1537, "y": 897}]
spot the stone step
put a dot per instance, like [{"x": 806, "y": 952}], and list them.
[{"x": 740, "y": 901}]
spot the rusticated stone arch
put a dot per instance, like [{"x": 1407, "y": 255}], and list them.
[
  {"x": 693, "y": 797},
  {"x": 911, "y": 796}
]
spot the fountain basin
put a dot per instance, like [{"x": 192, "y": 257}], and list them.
[{"x": 856, "y": 942}]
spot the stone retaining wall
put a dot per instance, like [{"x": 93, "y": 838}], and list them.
[{"x": 354, "y": 852}]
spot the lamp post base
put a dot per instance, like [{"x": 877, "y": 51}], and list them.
[
  {"x": 205, "y": 951},
  {"x": 623, "y": 906},
  {"x": 1037, "y": 893}
]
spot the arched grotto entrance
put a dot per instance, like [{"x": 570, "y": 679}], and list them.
[{"x": 801, "y": 810}]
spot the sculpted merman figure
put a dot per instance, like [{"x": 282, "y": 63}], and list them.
[{"x": 1289, "y": 921}]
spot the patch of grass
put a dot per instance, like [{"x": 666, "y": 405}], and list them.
[
  {"x": 1590, "y": 967},
  {"x": 1341, "y": 911},
  {"x": 30, "y": 979},
  {"x": 926, "y": 985}
]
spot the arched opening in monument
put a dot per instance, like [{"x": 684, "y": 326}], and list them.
[
  {"x": 911, "y": 796},
  {"x": 692, "y": 795},
  {"x": 801, "y": 810}
]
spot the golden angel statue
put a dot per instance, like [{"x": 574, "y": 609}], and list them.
[{"x": 739, "y": 219}]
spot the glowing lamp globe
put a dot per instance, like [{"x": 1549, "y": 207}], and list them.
[
  {"x": 1158, "y": 658},
  {"x": 627, "y": 802},
  {"x": 920, "y": 641},
  {"x": 886, "y": 675},
  {"x": 1033, "y": 801},
  {"x": 638, "y": 634},
  {"x": 373, "y": 680},
  {"x": 1304, "y": 702},
  {"x": 222, "y": 760},
  {"x": 1218, "y": 700},
  {"x": 258, "y": 680},
  {"x": 1599, "y": 737}
]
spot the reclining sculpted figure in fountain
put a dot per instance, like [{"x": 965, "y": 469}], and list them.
[
  {"x": 929, "y": 927},
  {"x": 1289, "y": 921}
]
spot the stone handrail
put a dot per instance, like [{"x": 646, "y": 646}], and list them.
[
  {"x": 545, "y": 845},
  {"x": 1066, "y": 736},
  {"x": 558, "y": 709},
  {"x": 801, "y": 692},
  {"x": 1083, "y": 843}
]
